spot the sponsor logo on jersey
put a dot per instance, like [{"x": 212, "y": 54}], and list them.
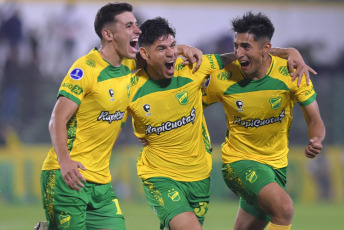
[
  {"x": 64, "y": 220},
  {"x": 90, "y": 63},
  {"x": 111, "y": 93},
  {"x": 174, "y": 195},
  {"x": 223, "y": 76},
  {"x": 284, "y": 70},
  {"x": 146, "y": 108},
  {"x": 182, "y": 97},
  {"x": 76, "y": 74},
  {"x": 106, "y": 116},
  {"x": 239, "y": 104},
  {"x": 211, "y": 61},
  {"x": 275, "y": 102},
  {"x": 258, "y": 122},
  {"x": 251, "y": 176},
  {"x": 170, "y": 125},
  {"x": 73, "y": 88}
]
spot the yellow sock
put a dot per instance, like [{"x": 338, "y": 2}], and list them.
[{"x": 278, "y": 227}]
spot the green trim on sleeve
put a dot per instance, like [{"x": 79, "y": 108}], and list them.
[
  {"x": 308, "y": 101},
  {"x": 69, "y": 96},
  {"x": 219, "y": 61}
]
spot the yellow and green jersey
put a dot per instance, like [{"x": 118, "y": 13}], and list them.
[
  {"x": 100, "y": 91},
  {"x": 169, "y": 115},
  {"x": 258, "y": 112}
]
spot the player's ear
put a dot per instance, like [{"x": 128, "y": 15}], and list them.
[
  {"x": 266, "y": 48},
  {"x": 107, "y": 34},
  {"x": 144, "y": 53}
]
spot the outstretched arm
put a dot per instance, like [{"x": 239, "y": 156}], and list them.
[
  {"x": 316, "y": 129},
  {"x": 295, "y": 61}
]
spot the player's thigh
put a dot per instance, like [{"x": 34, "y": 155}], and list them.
[
  {"x": 64, "y": 208},
  {"x": 166, "y": 198},
  {"x": 103, "y": 210},
  {"x": 198, "y": 193},
  {"x": 246, "y": 178}
]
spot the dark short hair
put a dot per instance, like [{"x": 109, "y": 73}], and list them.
[
  {"x": 107, "y": 14},
  {"x": 153, "y": 29},
  {"x": 257, "y": 24}
]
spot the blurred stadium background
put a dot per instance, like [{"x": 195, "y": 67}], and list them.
[{"x": 39, "y": 40}]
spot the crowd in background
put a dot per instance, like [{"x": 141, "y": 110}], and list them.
[{"x": 32, "y": 67}]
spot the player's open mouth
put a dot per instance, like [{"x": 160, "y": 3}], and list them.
[
  {"x": 170, "y": 67},
  {"x": 133, "y": 44},
  {"x": 244, "y": 64}
]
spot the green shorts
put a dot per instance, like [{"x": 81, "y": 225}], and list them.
[
  {"x": 246, "y": 178},
  {"x": 169, "y": 198},
  {"x": 94, "y": 207}
]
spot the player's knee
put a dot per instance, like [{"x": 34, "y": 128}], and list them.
[{"x": 284, "y": 213}]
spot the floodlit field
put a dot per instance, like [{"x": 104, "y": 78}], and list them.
[{"x": 220, "y": 216}]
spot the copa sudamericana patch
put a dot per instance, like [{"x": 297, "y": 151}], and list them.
[{"x": 76, "y": 74}]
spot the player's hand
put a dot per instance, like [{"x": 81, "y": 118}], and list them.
[
  {"x": 71, "y": 175},
  {"x": 191, "y": 54},
  {"x": 143, "y": 141},
  {"x": 313, "y": 148},
  {"x": 295, "y": 61}
]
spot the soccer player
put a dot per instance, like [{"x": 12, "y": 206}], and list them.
[
  {"x": 85, "y": 122},
  {"x": 166, "y": 106},
  {"x": 258, "y": 97}
]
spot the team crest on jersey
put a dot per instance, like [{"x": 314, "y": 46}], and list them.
[
  {"x": 64, "y": 220},
  {"x": 182, "y": 97},
  {"x": 174, "y": 195},
  {"x": 251, "y": 176},
  {"x": 283, "y": 70},
  {"x": 223, "y": 76},
  {"x": 275, "y": 102},
  {"x": 76, "y": 74},
  {"x": 239, "y": 104},
  {"x": 111, "y": 93}
]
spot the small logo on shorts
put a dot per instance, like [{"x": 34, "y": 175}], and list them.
[
  {"x": 174, "y": 195},
  {"x": 64, "y": 220},
  {"x": 251, "y": 176}
]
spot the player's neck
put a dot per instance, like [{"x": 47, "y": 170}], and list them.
[
  {"x": 263, "y": 70},
  {"x": 153, "y": 74},
  {"x": 110, "y": 55}
]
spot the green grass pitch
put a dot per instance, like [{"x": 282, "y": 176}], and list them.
[{"x": 221, "y": 214}]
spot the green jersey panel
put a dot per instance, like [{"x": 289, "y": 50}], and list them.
[
  {"x": 169, "y": 114},
  {"x": 258, "y": 112},
  {"x": 100, "y": 91}
]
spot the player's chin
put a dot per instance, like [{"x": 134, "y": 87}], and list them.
[{"x": 131, "y": 55}]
